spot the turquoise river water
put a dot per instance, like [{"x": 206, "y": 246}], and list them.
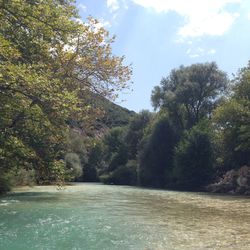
[{"x": 95, "y": 216}]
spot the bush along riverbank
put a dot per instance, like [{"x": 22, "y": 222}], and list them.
[{"x": 233, "y": 182}]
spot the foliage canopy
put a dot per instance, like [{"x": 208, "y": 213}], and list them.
[
  {"x": 50, "y": 65},
  {"x": 190, "y": 93}
]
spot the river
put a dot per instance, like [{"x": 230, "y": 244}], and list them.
[{"x": 95, "y": 216}]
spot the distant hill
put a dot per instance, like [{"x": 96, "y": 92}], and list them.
[{"x": 113, "y": 116}]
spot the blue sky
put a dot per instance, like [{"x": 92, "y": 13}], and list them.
[{"x": 159, "y": 35}]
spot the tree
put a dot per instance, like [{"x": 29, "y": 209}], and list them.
[
  {"x": 95, "y": 163},
  {"x": 135, "y": 132},
  {"x": 156, "y": 155},
  {"x": 116, "y": 151},
  {"x": 123, "y": 175},
  {"x": 190, "y": 93},
  {"x": 50, "y": 65},
  {"x": 232, "y": 121},
  {"x": 76, "y": 155},
  {"x": 194, "y": 159},
  {"x": 73, "y": 164}
]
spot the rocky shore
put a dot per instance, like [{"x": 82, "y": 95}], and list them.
[{"x": 233, "y": 182}]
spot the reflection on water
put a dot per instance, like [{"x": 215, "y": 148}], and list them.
[{"x": 93, "y": 216}]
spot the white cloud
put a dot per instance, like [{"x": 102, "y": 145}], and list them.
[
  {"x": 199, "y": 52},
  {"x": 113, "y": 5},
  {"x": 82, "y": 7},
  {"x": 211, "y": 52},
  {"x": 201, "y": 17},
  {"x": 194, "y": 55},
  {"x": 103, "y": 24}
]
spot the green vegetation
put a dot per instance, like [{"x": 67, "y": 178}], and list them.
[
  {"x": 51, "y": 65},
  {"x": 189, "y": 94},
  {"x": 113, "y": 114},
  {"x": 58, "y": 78},
  {"x": 194, "y": 159},
  {"x": 201, "y": 131},
  {"x": 232, "y": 119},
  {"x": 156, "y": 154}
]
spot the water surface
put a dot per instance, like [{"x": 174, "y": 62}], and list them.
[{"x": 94, "y": 216}]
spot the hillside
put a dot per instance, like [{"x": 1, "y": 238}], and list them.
[{"x": 114, "y": 115}]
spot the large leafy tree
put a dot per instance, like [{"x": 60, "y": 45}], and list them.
[
  {"x": 116, "y": 151},
  {"x": 50, "y": 65},
  {"x": 232, "y": 120},
  {"x": 194, "y": 158},
  {"x": 156, "y": 154},
  {"x": 190, "y": 93},
  {"x": 136, "y": 130}
]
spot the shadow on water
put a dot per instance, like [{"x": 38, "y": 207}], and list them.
[
  {"x": 224, "y": 196},
  {"x": 32, "y": 196}
]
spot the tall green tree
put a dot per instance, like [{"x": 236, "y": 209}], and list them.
[
  {"x": 194, "y": 158},
  {"x": 157, "y": 154},
  {"x": 116, "y": 151},
  {"x": 95, "y": 164},
  {"x": 232, "y": 120},
  {"x": 135, "y": 132},
  {"x": 190, "y": 93}
]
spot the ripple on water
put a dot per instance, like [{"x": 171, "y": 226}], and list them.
[{"x": 112, "y": 217}]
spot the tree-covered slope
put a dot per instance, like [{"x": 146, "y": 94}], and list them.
[{"x": 113, "y": 115}]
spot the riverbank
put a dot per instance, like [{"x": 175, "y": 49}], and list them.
[{"x": 233, "y": 182}]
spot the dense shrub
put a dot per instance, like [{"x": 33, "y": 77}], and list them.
[
  {"x": 232, "y": 120},
  {"x": 95, "y": 164},
  {"x": 5, "y": 185},
  {"x": 136, "y": 129},
  {"x": 193, "y": 159},
  {"x": 115, "y": 149},
  {"x": 24, "y": 177},
  {"x": 126, "y": 175},
  {"x": 122, "y": 175},
  {"x": 17, "y": 177},
  {"x": 156, "y": 156}
]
